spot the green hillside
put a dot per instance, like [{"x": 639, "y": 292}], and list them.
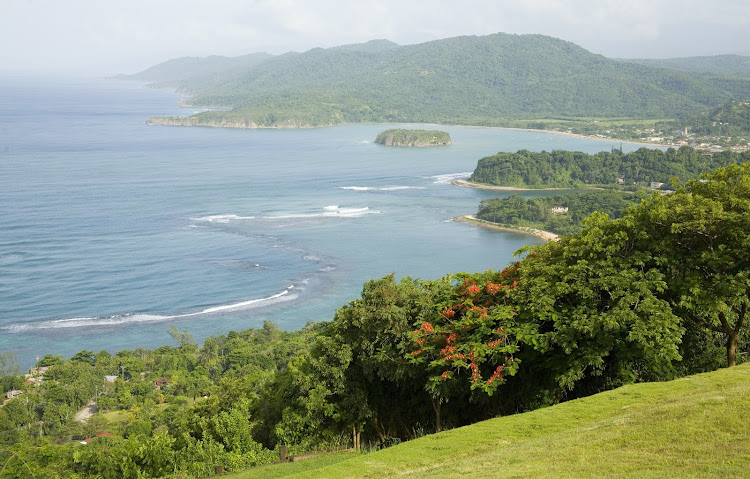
[
  {"x": 729, "y": 119},
  {"x": 486, "y": 80},
  {"x": 691, "y": 427}
]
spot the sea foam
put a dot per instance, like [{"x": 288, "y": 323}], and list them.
[
  {"x": 130, "y": 318},
  {"x": 328, "y": 211},
  {"x": 222, "y": 218},
  {"x": 447, "y": 178},
  {"x": 381, "y": 188}
]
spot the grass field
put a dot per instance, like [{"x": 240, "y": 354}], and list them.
[{"x": 692, "y": 427}]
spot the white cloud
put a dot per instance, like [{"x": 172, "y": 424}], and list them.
[{"x": 109, "y": 37}]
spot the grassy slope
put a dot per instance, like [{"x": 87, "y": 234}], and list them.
[{"x": 692, "y": 427}]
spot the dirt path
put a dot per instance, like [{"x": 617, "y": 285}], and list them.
[{"x": 85, "y": 413}]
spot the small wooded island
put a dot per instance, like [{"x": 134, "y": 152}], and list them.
[{"x": 400, "y": 137}]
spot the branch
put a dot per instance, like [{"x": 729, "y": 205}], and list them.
[
  {"x": 740, "y": 318},
  {"x": 723, "y": 319},
  {"x": 701, "y": 322}
]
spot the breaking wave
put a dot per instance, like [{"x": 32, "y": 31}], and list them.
[
  {"x": 382, "y": 188},
  {"x": 130, "y": 318},
  {"x": 445, "y": 179},
  {"x": 330, "y": 211},
  {"x": 222, "y": 218},
  {"x": 327, "y": 212}
]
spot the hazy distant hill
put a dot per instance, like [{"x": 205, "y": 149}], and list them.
[
  {"x": 725, "y": 65},
  {"x": 485, "y": 80},
  {"x": 187, "y": 72}
]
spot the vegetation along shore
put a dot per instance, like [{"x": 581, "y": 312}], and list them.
[{"x": 471, "y": 219}]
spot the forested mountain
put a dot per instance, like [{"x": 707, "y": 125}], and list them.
[
  {"x": 486, "y": 80},
  {"x": 729, "y": 119}
]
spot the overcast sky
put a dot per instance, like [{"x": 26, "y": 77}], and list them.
[{"x": 104, "y": 37}]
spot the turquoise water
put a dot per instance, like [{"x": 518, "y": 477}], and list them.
[{"x": 111, "y": 229}]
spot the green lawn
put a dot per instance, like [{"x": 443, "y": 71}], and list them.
[
  {"x": 692, "y": 427},
  {"x": 115, "y": 416}
]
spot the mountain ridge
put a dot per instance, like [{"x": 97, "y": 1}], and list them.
[{"x": 474, "y": 80}]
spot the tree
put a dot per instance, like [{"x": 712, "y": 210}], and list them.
[
  {"x": 85, "y": 356},
  {"x": 49, "y": 360},
  {"x": 470, "y": 333},
  {"x": 9, "y": 365},
  {"x": 357, "y": 378},
  {"x": 594, "y": 304},
  {"x": 184, "y": 339},
  {"x": 700, "y": 236}
]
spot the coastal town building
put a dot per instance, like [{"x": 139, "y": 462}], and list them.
[{"x": 13, "y": 394}]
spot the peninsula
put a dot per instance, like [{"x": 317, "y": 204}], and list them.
[{"x": 401, "y": 137}]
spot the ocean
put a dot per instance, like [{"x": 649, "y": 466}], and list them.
[{"x": 112, "y": 229}]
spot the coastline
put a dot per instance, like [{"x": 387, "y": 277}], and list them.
[
  {"x": 190, "y": 121},
  {"x": 544, "y": 235},
  {"x": 468, "y": 184}
]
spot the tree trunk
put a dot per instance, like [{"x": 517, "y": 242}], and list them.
[
  {"x": 355, "y": 438},
  {"x": 732, "y": 348},
  {"x": 436, "y": 406},
  {"x": 380, "y": 430}
]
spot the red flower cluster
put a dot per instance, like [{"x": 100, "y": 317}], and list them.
[
  {"x": 427, "y": 327},
  {"x": 495, "y": 343},
  {"x": 497, "y": 374},
  {"x": 493, "y": 288},
  {"x": 475, "y": 375},
  {"x": 473, "y": 290},
  {"x": 448, "y": 313},
  {"x": 447, "y": 351}
]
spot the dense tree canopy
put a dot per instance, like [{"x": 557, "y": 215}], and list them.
[
  {"x": 561, "y": 214},
  {"x": 701, "y": 235},
  {"x": 568, "y": 169}
]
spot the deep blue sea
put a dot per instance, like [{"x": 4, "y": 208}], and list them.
[{"x": 111, "y": 229}]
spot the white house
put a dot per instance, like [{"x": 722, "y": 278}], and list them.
[{"x": 13, "y": 394}]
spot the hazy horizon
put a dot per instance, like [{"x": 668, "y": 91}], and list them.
[{"x": 92, "y": 38}]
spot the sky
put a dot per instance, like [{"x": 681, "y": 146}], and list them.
[{"x": 106, "y": 37}]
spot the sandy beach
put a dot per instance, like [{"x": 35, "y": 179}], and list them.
[
  {"x": 471, "y": 219},
  {"x": 468, "y": 184}
]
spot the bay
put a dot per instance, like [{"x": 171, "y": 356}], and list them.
[{"x": 112, "y": 229}]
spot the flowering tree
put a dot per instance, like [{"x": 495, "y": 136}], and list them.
[{"x": 471, "y": 339}]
